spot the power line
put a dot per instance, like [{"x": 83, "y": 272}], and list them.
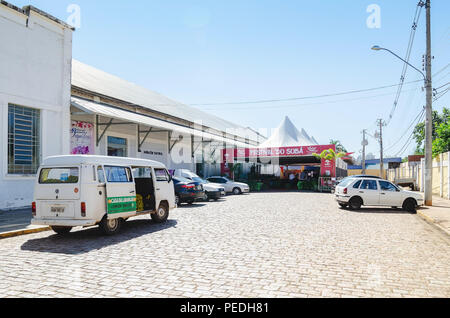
[
  {"x": 419, "y": 115},
  {"x": 441, "y": 94},
  {"x": 441, "y": 86},
  {"x": 300, "y": 98},
  {"x": 443, "y": 69},
  {"x": 308, "y": 104},
  {"x": 409, "y": 140},
  {"x": 407, "y": 58}
]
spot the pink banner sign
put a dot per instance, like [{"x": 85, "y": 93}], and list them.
[{"x": 82, "y": 138}]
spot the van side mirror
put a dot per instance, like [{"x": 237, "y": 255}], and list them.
[{"x": 170, "y": 178}]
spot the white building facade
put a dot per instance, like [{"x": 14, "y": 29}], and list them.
[
  {"x": 35, "y": 75},
  {"x": 53, "y": 105}
]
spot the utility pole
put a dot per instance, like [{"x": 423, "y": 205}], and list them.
[
  {"x": 429, "y": 115},
  {"x": 380, "y": 136},
  {"x": 364, "y": 144}
]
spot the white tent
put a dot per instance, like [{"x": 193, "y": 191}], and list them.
[{"x": 287, "y": 135}]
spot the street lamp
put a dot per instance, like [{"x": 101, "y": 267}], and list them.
[
  {"x": 378, "y": 48},
  {"x": 428, "y": 182}
]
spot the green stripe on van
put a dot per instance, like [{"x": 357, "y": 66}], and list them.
[{"x": 121, "y": 204}]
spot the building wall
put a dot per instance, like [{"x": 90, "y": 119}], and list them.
[
  {"x": 155, "y": 147},
  {"x": 440, "y": 174},
  {"x": 35, "y": 72},
  {"x": 371, "y": 172}
]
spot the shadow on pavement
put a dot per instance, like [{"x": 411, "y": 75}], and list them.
[
  {"x": 84, "y": 241},
  {"x": 378, "y": 211},
  {"x": 15, "y": 220},
  {"x": 191, "y": 206}
]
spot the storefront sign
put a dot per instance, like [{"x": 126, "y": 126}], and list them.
[
  {"x": 328, "y": 168},
  {"x": 280, "y": 152},
  {"x": 82, "y": 138}
]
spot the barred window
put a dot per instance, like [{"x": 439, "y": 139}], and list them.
[{"x": 24, "y": 144}]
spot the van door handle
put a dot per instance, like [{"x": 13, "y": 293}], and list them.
[
  {"x": 361, "y": 191},
  {"x": 158, "y": 189}
]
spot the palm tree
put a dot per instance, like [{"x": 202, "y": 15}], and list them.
[{"x": 338, "y": 144}]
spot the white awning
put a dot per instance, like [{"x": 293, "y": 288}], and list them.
[{"x": 124, "y": 115}]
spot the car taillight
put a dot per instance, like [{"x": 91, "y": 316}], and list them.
[
  {"x": 33, "y": 208},
  {"x": 188, "y": 186},
  {"x": 345, "y": 191},
  {"x": 83, "y": 209}
]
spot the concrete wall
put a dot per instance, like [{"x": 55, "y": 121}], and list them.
[
  {"x": 35, "y": 72},
  {"x": 370, "y": 172},
  {"x": 440, "y": 174}
]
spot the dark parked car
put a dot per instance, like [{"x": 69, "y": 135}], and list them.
[{"x": 187, "y": 191}]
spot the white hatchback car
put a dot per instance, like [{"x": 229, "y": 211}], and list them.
[
  {"x": 230, "y": 186},
  {"x": 356, "y": 192}
]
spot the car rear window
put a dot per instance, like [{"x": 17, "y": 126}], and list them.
[
  {"x": 346, "y": 182},
  {"x": 357, "y": 184},
  {"x": 59, "y": 175}
]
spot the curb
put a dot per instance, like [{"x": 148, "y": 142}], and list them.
[
  {"x": 23, "y": 232},
  {"x": 432, "y": 222}
]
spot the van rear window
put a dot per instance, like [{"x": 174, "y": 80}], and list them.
[{"x": 59, "y": 175}]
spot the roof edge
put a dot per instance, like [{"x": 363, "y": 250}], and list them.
[{"x": 27, "y": 9}]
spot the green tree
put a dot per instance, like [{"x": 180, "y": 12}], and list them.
[
  {"x": 440, "y": 133},
  {"x": 339, "y": 146},
  {"x": 442, "y": 143}
]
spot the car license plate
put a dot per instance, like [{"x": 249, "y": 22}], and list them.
[{"x": 57, "y": 209}]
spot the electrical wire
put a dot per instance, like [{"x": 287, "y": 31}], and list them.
[
  {"x": 406, "y": 131},
  {"x": 441, "y": 94},
  {"x": 299, "y": 98},
  {"x": 407, "y": 58},
  {"x": 410, "y": 139},
  {"x": 307, "y": 104}
]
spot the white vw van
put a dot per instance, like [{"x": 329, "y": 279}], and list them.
[{"x": 78, "y": 190}]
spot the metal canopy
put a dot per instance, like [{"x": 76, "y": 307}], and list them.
[{"x": 127, "y": 117}]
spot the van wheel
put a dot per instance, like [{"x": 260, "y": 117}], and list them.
[
  {"x": 410, "y": 205},
  {"x": 162, "y": 214},
  {"x": 110, "y": 226},
  {"x": 61, "y": 230},
  {"x": 355, "y": 203}
]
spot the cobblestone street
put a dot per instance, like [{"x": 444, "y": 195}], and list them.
[{"x": 257, "y": 245}]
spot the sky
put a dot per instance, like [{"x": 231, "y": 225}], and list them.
[{"x": 209, "y": 53}]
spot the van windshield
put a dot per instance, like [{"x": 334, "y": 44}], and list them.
[{"x": 59, "y": 175}]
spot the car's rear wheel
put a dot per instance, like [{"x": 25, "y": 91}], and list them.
[
  {"x": 410, "y": 205},
  {"x": 355, "y": 203},
  {"x": 162, "y": 214},
  {"x": 110, "y": 226},
  {"x": 61, "y": 230},
  {"x": 177, "y": 200}
]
